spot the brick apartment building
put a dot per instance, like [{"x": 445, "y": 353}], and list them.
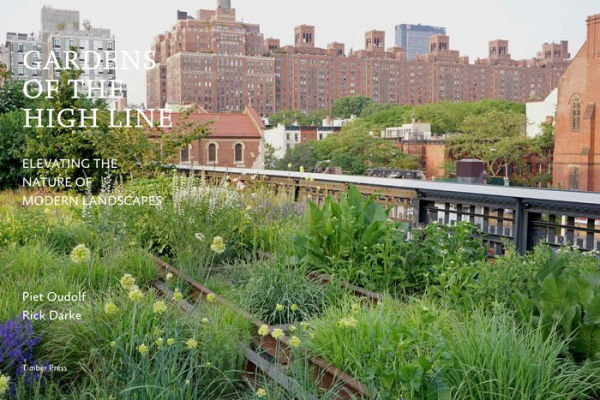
[
  {"x": 577, "y": 143},
  {"x": 221, "y": 65},
  {"x": 212, "y": 61}
]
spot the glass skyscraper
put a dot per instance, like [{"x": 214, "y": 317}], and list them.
[{"x": 414, "y": 39}]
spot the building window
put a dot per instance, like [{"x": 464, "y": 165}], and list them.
[
  {"x": 573, "y": 178},
  {"x": 575, "y": 113},
  {"x": 56, "y": 42},
  {"x": 212, "y": 153},
  {"x": 184, "y": 154},
  {"x": 238, "y": 151}
]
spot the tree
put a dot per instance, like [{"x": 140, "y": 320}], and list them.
[
  {"x": 270, "y": 160},
  {"x": 11, "y": 92},
  {"x": 496, "y": 138},
  {"x": 12, "y": 143},
  {"x": 344, "y": 107},
  {"x": 292, "y": 117},
  {"x": 301, "y": 155}
]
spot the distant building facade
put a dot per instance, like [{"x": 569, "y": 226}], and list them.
[
  {"x": 577, "y": 141},
  {"x": 222, "y": 65},
  {"x": 214, "y": 62},
  {"x": 411, "y": 131},
  {"x": 539, "y": 112},
  {"x": 414, "y": 39},
  {"x": 61, "y": 32},
  {"x": 283, "y": 138},
  {"x": 17, "y": 45}
]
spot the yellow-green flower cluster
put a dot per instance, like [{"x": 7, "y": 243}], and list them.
[
  {"x": 80, "y": 254},
  {"x": 260, "y": 393},
  {"x": 110, "y": 308},
  {"x": 263, "y": 330},
  {"x": 348, "y": 322},
  {"x": 294, "y": 341},
  {"x": 143, "y": 349},
  {"x": 177, "y": 295},
  {"x": 277, "y": 333},
  {"x": 210, "y": 297},
  {"x": 191, "y": 343},
  {"x": 217, "y": 245},
  {"x": 127, "y": 281},
  {"x": 159, "y": 307},
  {"x": 135, "y": 294}
]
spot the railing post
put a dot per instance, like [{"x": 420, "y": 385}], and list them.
[
  {"x": 521, "y": 228},
  {"x": 421, "y": 219}
]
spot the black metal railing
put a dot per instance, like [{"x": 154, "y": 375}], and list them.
[{"x": 524, "y": 216}]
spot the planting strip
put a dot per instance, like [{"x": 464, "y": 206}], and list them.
[
  {"x": 273, "y": 371},
  {"x": 328, "y": 375}
]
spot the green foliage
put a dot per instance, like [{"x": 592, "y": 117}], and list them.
[
  {"x": 389, "y": 347},
  {"x": 351, "y": 238},
  {"x": 11, "y": 93},
  {"x": 13, "y": 135},
  {"x": 353, "y": 149},
  {"x": 437, "y": 254},
  {"x": 566, "y": 295},
  {"x": 344, "y": 107},
  {"x": 489, "y": 356},
  {"x": 273, "y": 283},
  {"x": 301, "y": 155},
  {"x": 292, "y": 117},
  {"x": 445, "y": 117},
  {"x": 106, "y": 347}
]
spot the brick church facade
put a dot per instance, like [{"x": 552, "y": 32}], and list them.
[{"x": 577, "y": 143}]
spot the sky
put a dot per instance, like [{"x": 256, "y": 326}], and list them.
[{"x": 527, "y": 24}]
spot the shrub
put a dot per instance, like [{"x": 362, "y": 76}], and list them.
[
  {"x": 564, "y": 292},
  {"x": 351, "y": 238}
]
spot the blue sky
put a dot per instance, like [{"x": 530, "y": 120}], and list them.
[{"x": 470, "y": 23}]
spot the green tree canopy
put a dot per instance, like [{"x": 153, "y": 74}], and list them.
[{"x": 346, "y": 106}]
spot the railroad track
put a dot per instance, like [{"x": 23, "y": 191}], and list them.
[{"x": 326, "y": 376}]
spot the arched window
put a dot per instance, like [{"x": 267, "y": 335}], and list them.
[
  {"x": 575, "y": 113},
  {"x": 238, "y": 152},
  {"x": 212, "y": 153}
]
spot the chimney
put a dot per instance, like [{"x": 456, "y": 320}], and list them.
[{"x": 593, "y": 36}]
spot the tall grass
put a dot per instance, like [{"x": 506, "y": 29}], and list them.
[
  {"x": 278, "y": 294},
  {"x": 388, "y": 347},
  {"x": 491, "y": 357}
]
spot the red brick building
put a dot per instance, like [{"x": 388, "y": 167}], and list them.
[
  {"x": 235, "y": 139},
  {"x": 577, "y": 142},
  {"x": 222, "y": 65}
]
